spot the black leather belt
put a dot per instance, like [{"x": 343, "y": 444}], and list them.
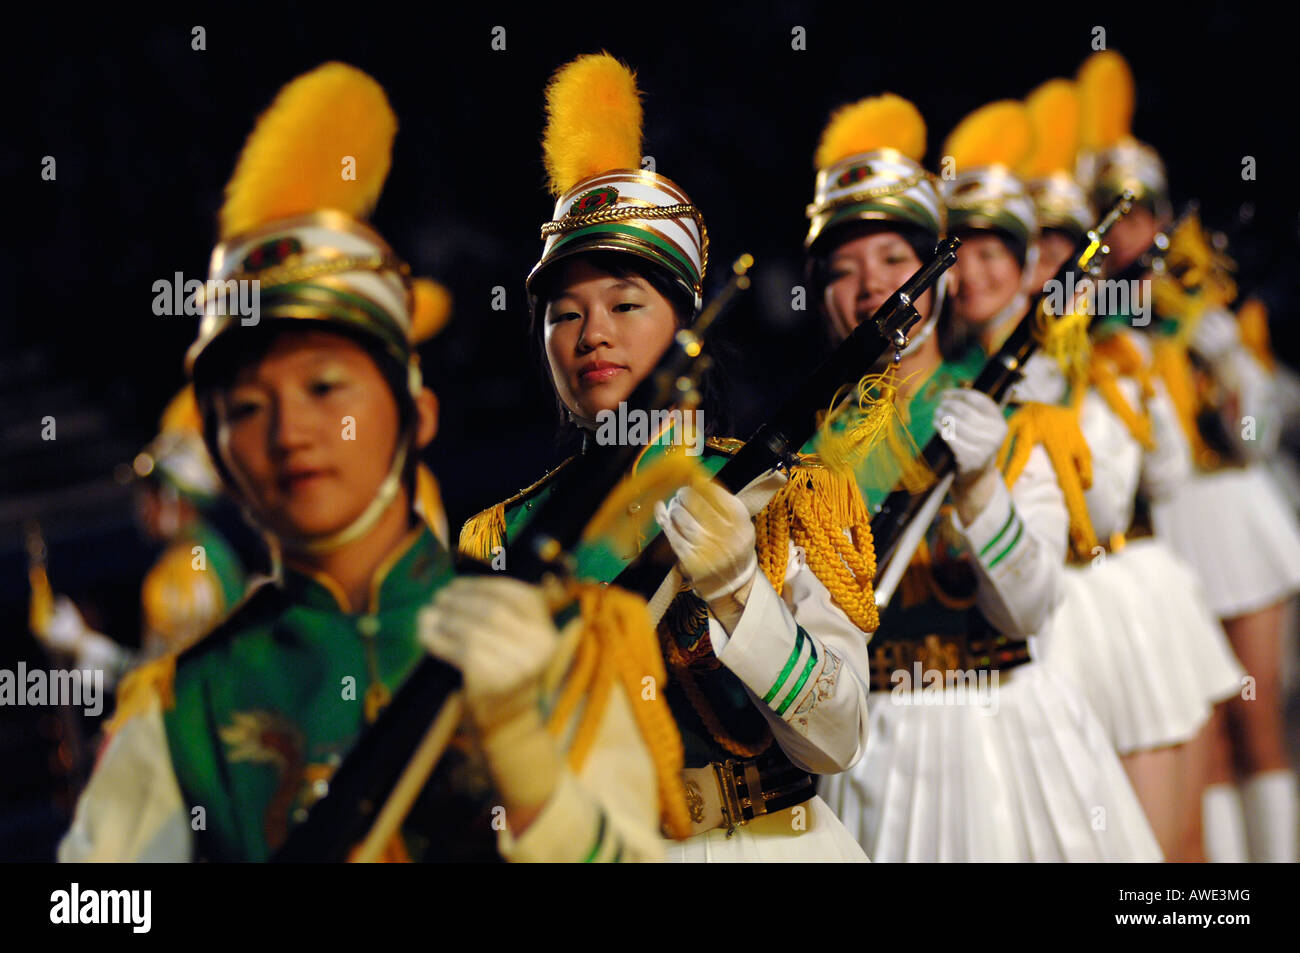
[{"x": 732, "y": 793}]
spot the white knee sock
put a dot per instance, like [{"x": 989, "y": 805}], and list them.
[
  {"x": 1271, "y": 804},
  {"x": 1224, "y": 831}
]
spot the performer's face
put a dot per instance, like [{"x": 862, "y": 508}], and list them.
[
  {"x": 603, "y": 335},
  {"x": 1130, "y": 237},
  {"x": 308, "y": 432},
  {"x": 988, "y": 277},
  {"x": 862, "y": 272}
]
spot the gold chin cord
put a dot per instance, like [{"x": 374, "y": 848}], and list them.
[{"x": 369, "y": 517}]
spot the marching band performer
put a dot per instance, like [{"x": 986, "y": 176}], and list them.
[
  {"x": 314, "y": 416},
  {"x": 1131, "y": 607},
  {"x": 1023, "y": 772},
  {"x": 766, "y": 688},
  {"x": 1247, "y": 556}
]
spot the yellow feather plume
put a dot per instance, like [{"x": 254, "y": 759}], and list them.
[
  {"x": 293, "y": 162},
  {"x": 996, "y": 134},
  {"x": 873, "y": 123},
  {"x": 432, "y": 309},
  {"x": 593, "y": 121},
  {"x": 1054, "y": 115},
  {"x": 1106, "y": 99}
]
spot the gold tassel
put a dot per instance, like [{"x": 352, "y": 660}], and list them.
[
  {"x": 152, "y": 680},
  {"x": 483, "y": 532},
  {"x": 1064, "y": 338},
  {"x": 623, "y": 518},
  {"x": 812, "y": 510},
  {"x": 618, "y": 644},
  {"x": 1057, "y": 430}
]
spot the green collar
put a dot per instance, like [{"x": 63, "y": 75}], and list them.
[{"x": 405, "y": 578}]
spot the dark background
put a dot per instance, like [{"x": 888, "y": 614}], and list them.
[{"x": 146, "y": 131}]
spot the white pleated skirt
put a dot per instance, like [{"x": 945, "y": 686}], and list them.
[
  {"x": 1239, "y": 534},
  {"x": 811, "y": 835},
  {"x": 1135, "y": 637},
  {"x": 1029, "y": 776}
]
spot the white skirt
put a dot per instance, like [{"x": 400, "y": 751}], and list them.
[
  {"x": 806, "y": 833},
  {"x": 1029, "y": 777},
  {"x": 1135, "y": 637},
  {"x": 1238, "y": 532}
]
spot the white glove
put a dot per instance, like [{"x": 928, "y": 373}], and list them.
[
  {"x": 1216, "y": 334},
  {"x": 1042, "y": 383},
  {"x": 712, "y": 535},
  {"x": 66, "y": 628},
  {"x": 499, "y": 633},
  {"x": 973, "y": 427}
]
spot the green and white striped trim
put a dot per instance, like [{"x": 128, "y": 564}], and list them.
[
  {"x": 606, "y": 848},
  {"x": 1007, "y": 537},
  {"x": 804, "y": 652}
]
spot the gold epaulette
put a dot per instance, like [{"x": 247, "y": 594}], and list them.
[
  {"x": 485, "y": 531},
  {"x": 140, "y": 687}
]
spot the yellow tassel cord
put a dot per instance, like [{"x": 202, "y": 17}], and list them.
[
  {"x": 140, "y": 687},
  {"x": 1196, "y": 277},
  {"x": 812, "y": 510},
  {"x": 1172, "y": 365},
  {"x": 1117, "y": 356},
  {"x": 483, "y": 532},
  {"x": 869, "y": 436},
  {"x": 1252, "y": 320},
  {"x": 1064, "y": 338},
  {"x": 291, "y": 161},
  {"x": 593, "y": 122},
  {"x": 623, "y": 518},
  {"x": 1057, "y": 429},
  {"x": 619, "y": 645}
]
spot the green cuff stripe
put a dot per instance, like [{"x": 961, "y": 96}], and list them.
[
  {"x": 789, "y": 667},
  {"x": 1005, "y": 526},
  {"x": 803, "y": 677},
  {"x": 600, "y": 839},
  {"x": 1020, "y": 529}
]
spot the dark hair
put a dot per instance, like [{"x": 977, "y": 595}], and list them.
[{"x": 620, "y": 265}]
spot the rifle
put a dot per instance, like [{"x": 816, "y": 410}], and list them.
[
  {"x": 378, "y": 782},
  {"x": 902, "y": 509},
  {"x": 776, "y": 441}
]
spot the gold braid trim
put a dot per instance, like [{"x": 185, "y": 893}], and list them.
[
  {"x": 701, "y": 655},
  {"x": 1057, "y": 429},
  {"x": 812, "y": 510},
  {"x": 625, "y": 213},
  {"x": 618, "y": 644}
]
